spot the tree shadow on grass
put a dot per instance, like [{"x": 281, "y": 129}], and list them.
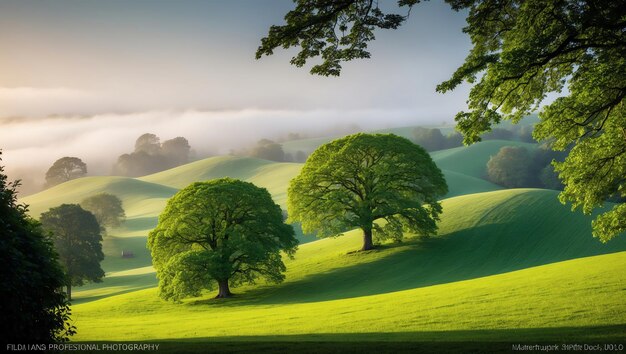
[
  {"x": 113, "y": 286},
  {"x": 463, "y": 255},
  {"x": 453, "y": 341}
]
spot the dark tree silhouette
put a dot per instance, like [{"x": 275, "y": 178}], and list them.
[
  {"x": 77, "y": 239},
  {"x": 32, "y": 307}
]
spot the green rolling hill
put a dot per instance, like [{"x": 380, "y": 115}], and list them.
[
  {"x": 505, "y": 259},
  {"x": 140, "y": 198},
  {"x": 507, "y": 264},
  {"x": 472, "y": 160}
]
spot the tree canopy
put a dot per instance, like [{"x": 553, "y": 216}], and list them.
[
  {"x": 225, "y": 232},
  {"x": 356, "y": 180},
  {"x": 65, "y": 169},
  {"x": 106, "y": 207},
  {"x": 268, "y": 150},
  {"x": 150, "y": 156},
  {"x": 510, "y": 167},
  {"x": 32, "y": 308},
  {"x": 522, "y": 50},
  {"x": 77, "y": 239}
]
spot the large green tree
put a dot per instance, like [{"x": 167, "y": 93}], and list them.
[
  {"x": 356, "y": 180},
  {"x": 32, "y": 307},
  {"x": 522, "y": 50},
  {"x": 225, "y": 232},
  {"x": 77, "y": 239},
  {"x": 106, "y": 207}
]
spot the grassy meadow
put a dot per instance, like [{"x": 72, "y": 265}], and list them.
[{"x": 507, "y": 265}]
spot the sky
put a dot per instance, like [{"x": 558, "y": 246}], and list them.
[{"x": 85, "y": 78}]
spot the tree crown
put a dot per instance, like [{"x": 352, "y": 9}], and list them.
[
  {"x": 355, "y": 180},
  {"x": 220, "y": 230},
  {"x": 77, "y": 239}
]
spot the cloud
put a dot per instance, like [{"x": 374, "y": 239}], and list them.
[
  {"x": 37, "y": 102},
  {"x": 33, "y": 145}
]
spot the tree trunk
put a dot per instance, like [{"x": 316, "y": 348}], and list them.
[
  {"x": 69, "y": 291},
  {"x": 224, "y": 291},
  {"x": 367, "y": 240}
]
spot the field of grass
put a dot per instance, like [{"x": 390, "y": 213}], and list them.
[
  {"x": 491, "y": 269},
  {"x": 583, "y": 292},
  {"x": 507, "y": 265},
  {"x": 140, "y": 198}
]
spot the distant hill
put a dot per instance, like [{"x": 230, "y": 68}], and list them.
[{"x": 140, "y": 198}]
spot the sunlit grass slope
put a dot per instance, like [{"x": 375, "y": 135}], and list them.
[
  {"x": 504, "y": 259},
  {"x": 138, "y": 197},
  {"x": 271, "y": 175},
  {"x": 206, "y": 169},
  {"x": 583, "y": 292}
]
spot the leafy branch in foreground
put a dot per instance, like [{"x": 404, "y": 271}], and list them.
[{"x": 522, "y": 51}]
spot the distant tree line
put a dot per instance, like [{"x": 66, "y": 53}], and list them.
[
  {"x": 152, "y": 156},
  {"x": 516, "y": 167},
  {"x": 267, "y": 149},
  {"x": 432, "y": 139}
]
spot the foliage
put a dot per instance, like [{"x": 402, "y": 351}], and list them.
[
  {"x": 453, "y": 280},
  {"x": 65, "y": 169},
  {"x": 148, "y": 143},
  {"x": 510, "y": 167},
  {"x": 549, "y": 178},
  {"x": 32, "y": 308},
  {"x": 152, "y": 156},
  {"x": 515, "y": 167},
  {"x": 335, "y": 30},
  {"x": 223, "y": 231},
  {"x": 433, "y": 140},
  {"x": 429, "y": 139},
  {"x": 106, "y": 207},
  {"x": 356, "y": 180},
  {"x": 268, "y": 150},
  {"x": 522, "y": 50},
  {"x": 77, "y": 239},
  {"x": 300, "y": 156}
]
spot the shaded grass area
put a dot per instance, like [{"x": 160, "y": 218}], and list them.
[
  {"x": 461, "y": 184},
  {"x": 479, "y": 341}
]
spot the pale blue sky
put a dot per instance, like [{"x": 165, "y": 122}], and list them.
[
  {"x": 107, "y": 71},
  {"x": 126, "y": 56}
]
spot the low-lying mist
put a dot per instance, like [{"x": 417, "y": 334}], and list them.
[{"x": 31, "y": 146}]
